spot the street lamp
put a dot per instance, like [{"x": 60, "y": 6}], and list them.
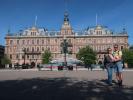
[
  {"x": 65, "y": 50},
  {"x": 24, "y": 50},
  {"x": 64, "y": 46}
]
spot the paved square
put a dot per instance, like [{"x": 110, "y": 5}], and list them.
[{"x": 62, "y": 85}]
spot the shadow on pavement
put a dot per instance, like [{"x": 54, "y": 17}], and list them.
[{"x": 62, "y": 89}]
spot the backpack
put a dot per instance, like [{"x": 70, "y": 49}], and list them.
[{"x": 107, "y": 61}]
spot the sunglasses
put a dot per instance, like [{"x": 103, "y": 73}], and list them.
[{"x": 109, "y": 50}]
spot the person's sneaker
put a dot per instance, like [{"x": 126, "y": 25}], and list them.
[
  {"x": 120, "y": 84},
  {"x": 110, "y": 84}
]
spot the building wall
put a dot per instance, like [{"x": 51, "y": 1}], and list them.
[
  {"x": 2, "y": 49},
  {"x": 15, "y": 45}
]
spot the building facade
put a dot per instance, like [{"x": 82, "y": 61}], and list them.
[
  {"x": 27, "y": 46},
  {"x": 2, "y": 50}
]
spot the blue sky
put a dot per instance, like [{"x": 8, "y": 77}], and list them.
[{"x": 19, "y": 14}]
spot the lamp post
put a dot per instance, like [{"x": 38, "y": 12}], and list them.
[
  {"x": 64, "y": 46},
  {"x": 24, "y": 50},
  {"x": 65, "y": 49}
]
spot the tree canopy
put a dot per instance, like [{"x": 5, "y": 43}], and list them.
[
  {"x": 87, "y": 55},
  {"x": 46, "y": 57},
  {"x": 128, "y": 57},
  {"x": 5, "y": 60}
]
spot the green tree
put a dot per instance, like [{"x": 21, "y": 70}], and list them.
[
  {"x": 46, "y": 57},
  {"x": 131, "y": 47},
  {"x": 87, "y": 55},
  {"x": 128, "y": 57},
  {"x": 5, "y": 60}
]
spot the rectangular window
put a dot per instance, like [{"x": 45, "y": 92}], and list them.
[
  {"x": 28, "y": 41},
  {"x": 32, "y": 56},
  {"x": 27, "y": 56},
  {"x": 42, "y": 41},
  {"x": 10, "y": 56},
  {"x": 42, "y": 48},
  {"x": 17, "y": 41},
  {"x": 37, "y": 41},
  {"x": 11, "y": 42},
  {"x": 32, "y": 41},
  {"x": 23, "y": 41},
  {"x": 17, "y": 56},
  {"x": 55, "y": 40}
]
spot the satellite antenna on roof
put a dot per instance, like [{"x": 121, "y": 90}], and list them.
[
  {"x": 8, "y": 31},
  {"x": 96, "y": 19},
  {"x": 124, "y": 28},
  {"x": 35, "y": 20}
]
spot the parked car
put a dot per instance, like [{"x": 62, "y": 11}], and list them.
[
  {"x": 70, "y": 67},
  {"x": 60, "y": 67},
  {"x": 17, "y": 66}
]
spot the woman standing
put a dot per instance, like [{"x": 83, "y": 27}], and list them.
[{"x": 108, "y": 63}]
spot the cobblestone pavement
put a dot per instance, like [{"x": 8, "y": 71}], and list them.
[{"x": 63, "y": 85}]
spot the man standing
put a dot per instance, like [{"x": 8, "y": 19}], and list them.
[{"x": 118, "y": 64}]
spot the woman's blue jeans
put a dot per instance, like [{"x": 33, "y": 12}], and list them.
[{"x": 110, "y": 73}]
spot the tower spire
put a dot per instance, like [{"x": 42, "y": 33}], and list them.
[
  {"x": 66, "y": 16},
  {"x": 66, "y": 19}
]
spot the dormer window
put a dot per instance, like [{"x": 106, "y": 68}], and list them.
[
  {"x": 26, "y": 32},
  {"x": 11, "y": 42},
  {"x": 99, "y": 32},
  {"x": 23, "y": 41},
  {"x": 33, "y": 33},
  {"x": 91, "y": 31},
  {"x": 17, "y": 41}
]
